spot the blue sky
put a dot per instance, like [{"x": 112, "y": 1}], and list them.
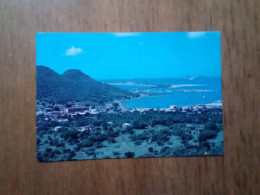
[{"x": 132, "y": 55}]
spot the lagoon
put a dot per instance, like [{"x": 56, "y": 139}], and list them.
[{"x": 162, "y": 93}]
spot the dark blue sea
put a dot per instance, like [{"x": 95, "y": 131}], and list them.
[{"x": 162, "y": 93}]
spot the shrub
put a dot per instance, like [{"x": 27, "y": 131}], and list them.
[
  {"x": 52, "y": 154},
  {"x": 160, "y": 137},
  {"x": 139, "y": 125},
  {"x": 70, "y": 134},
  {"x": 156, "y": 152},
  {"x": 38, "y": 140},
  {"x": 150, "y": 149},
  {"x": 155, "y": 122},
  {"x": 100, "y": 138},
  {"x": 110, "y": 139},
  {"x": 129, "y": 128},
  {"x": 86, "y": 143},
  {"x": 47, "y": 150},
  {"x": 207, "y": 134},
  {"x": 204, "y": 145},
  {"x": 61, "y": 145},
  {"x": 116, "y": 153},
  {"x": 177, "y": 132},
  {"x": 56, "y": 108},
  {"x": 113, "y": 134},
  {"x": 139, "y": 137},
  {"x": 57, "y": 152},
  {"x": 164, "y": 149},
  {"x": 39, "y": 156},
  {"x": 211, "y": 126},
  {"x": 138, "y": 142},
  {"x": 66, "y": 150},
  {"x": 71, "y": 155},
  {"x": 99, "y": 145},
  {"x": 54, "y": 142},
  {"x": 131, "y": 132},
  {"x": 91, "y": 151},
  {"x": 186, "y": 137},
  {"x": 129, "y": 154},
  {"x": 166, "y": 132}
]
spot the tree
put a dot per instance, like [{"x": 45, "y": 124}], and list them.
[
  {"x": 207, "y": 134},
  {"x": 56, "y": 108},
  {"x": 129, "y": 154},
  {"x": 211, "y": 126}
]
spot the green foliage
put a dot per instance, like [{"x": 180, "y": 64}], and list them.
[
  {"x": 86, "y": 143},
  {"x": 129, "y": 154},
  {"x": 178, "y": 132},
  {"x": 142, "y": 136},
  {"x": 151, "y": 126},
  {"x": 207, "y": 134},
  {"x": 186, "y": 137},
  {"x": 138, "y": 142},
  {"x": 139, "y": 124},
  {"x": 70, "y": 134},
  {"x": 74, "y": 85},
  {"x": 160, "y": 138},
  {"x": 116, "y": 153},
  {"x": 211, "y": 126}
]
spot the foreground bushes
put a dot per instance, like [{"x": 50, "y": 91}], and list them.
[
  {"x": 155, "y": 130},
  {"x": 207, "y": 134},
  {"x": 129, "y": 154}
]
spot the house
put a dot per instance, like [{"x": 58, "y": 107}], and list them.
[
  {"x": 57, "y": 128},
  {"x": 173, "y": 107},
  {"x": 86, "y": 128},
  {"x": 93, "y": 111},
  {"x": 76, "y": 109},
  {"x": 63, "y": 120},
  {"x": 125, "y": 125},
  {"x": 143, "y": 109},
  {"x": 48, "y": 110}
]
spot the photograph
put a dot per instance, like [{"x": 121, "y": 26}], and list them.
[{"x": 128, "y": 95}]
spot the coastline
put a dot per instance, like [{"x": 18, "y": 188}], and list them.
[{"x": 215, "y": 104}]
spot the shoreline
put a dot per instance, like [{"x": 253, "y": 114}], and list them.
[{"x": 215, "y": 104}]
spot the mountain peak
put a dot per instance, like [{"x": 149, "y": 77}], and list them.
[
  {"x": 45, "y": 70},
  {"x": 75, "y": 74},
  {"x": 73, "y": 85}
]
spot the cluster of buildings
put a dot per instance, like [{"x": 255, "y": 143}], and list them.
[
  {"x": 61, "y": 113},
  {"x": 196, "y": 109}
]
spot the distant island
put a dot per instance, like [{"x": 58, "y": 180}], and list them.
[{"x": 81, "y": 118}]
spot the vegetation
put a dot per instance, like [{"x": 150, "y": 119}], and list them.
[
  {"x": 74, "y": 85},
  {"x": 149, "y": 134}
]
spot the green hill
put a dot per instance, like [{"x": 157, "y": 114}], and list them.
[{"x": 74, "y": 85}]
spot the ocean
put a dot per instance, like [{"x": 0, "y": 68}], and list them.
[{"x": 162, "y": 93}]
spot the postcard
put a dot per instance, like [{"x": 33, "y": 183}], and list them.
[{"x": 128, "y": 95}]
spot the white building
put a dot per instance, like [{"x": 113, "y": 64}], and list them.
[{"x": 125, "y": 125}]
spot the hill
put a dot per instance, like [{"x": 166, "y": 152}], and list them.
[{"x": 74, "y": 85}]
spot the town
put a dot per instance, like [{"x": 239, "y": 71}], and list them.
[{"x": 63, "y": 112}]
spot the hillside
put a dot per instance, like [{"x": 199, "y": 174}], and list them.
[{"x": 74, "y": 85}]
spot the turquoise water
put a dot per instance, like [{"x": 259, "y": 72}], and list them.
[{"x": 162, "y": 93}]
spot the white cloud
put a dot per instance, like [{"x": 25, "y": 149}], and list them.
[
  {"x": 73, "y": 51},
  {"x": 126, "y": 34},
  {"x": 196, "y": 34}
]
